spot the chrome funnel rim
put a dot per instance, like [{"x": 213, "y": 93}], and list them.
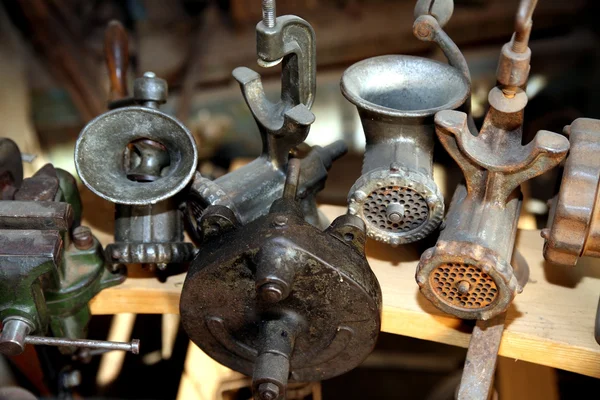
[{"x": 420, "y": 80}]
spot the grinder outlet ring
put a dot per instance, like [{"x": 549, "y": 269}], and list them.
[
  {"x": 490, "y": 288},
  {"x": 397, "y": 205}
]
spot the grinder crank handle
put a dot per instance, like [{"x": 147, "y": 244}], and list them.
[
  {"x": 430, "y": 17},
  {"x": 15, "y": 335},
  {"x": 116, "y": 53}
]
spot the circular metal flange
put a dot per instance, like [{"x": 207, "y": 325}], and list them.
[
  {"x": 338, "y": 302},
  {"x": 574, "y": 221},
  {"x": 466, "y": 280},
  {"x": 400, "y": 86},
  {"x": 101, "y": 146},
  {"x": 397, "y": 205}
]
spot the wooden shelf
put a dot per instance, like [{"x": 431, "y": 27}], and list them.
[{"x": 550, "y": 323}]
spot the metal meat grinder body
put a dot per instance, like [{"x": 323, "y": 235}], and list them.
[
  {"x": 397, "y": 97},
  {"x": 280, "y": 299}
]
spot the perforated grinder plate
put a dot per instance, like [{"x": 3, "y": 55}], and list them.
[
  {"x": 463, "y": 286},
  {"x": 416, "y": 211}
]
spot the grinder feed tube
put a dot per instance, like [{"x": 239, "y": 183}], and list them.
[{"x": 397, "y": 97}]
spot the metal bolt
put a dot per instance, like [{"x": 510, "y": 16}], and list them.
[
  {"x": 72, "y": 379},
  {"x": 161, "y": 266},
  {"x": 463, "y": 287},
  {"x": 271, "y": 293},
  {"x": 14, "y": 332},
  {"x": 395, "y": 212},
  {"x": 116, "y": 254},
  {"x": 281, "y": 220},
  {"x": 268, "y": 12},
  {"x": 82, "y": 237},
  {"x": 268, "y": 391}
]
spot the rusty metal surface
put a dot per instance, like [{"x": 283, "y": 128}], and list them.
[
  {"x": 473, "y": 271},
  {"x": 42, "y": 215},
  {"x": 481, "y": 223},
  {"x": 482, "y": 219},
  {"x": 278, "y": 294},
  {"x": 480, "y": 365},
  {"x": 574, "y": 223}
]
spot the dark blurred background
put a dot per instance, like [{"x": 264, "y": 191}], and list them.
[{"x": 57, "y": 45}]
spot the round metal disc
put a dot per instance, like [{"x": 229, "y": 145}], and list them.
[
  {"x": 99, "y": 155},
  {"x": 338, "y": 301}
]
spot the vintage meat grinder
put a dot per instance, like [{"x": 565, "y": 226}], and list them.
[
  {"x": 50, "y": 265},
  {"x": 397, "y": 97},
  {"x": 140, "y": 159},
  {"x": 474, "y": 272},
  {"x": 574, "y": 223},
  {"x": 250, "y": 190},
  {"x": 278, "y": 298}
]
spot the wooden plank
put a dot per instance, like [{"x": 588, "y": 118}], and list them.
[
  {"x": 520, "y": 380},
  {"x": 551, "y": 322}
]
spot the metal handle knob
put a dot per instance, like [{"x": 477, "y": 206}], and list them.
[
  {"x": 15, "y": 335},
  {"x": 116, "y": 52}
]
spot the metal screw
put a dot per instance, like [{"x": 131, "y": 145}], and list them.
[
  {"x": 268, "y": 12},
  {"x": 395, "y": 212},
  {"x": 271, "y": 293},
  {"x": 268, "y": 391},
  {"x": 463, "y": 287},
  {"x": 82, "y": 237}
]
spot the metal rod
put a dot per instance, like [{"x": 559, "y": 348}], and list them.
[
  {"x": 292, "y": 179},
  {"x": 268, "y": 12},
  {"x": 133, "y": 346},
  {"x": 477, "y": 381}
]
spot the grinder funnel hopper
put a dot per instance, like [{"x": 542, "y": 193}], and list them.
[{"x": 397, "y": 97}]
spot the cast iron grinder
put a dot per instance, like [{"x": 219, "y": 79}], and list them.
[
  {"x": 574, "y": 219},
  {"x": 473, "y": 271},
  {"x": 138, "y": 158},
  {"x": 279, "y": 299},
  {"x": 249, "y": 191},
  {"x": 397, "y": 97}
]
